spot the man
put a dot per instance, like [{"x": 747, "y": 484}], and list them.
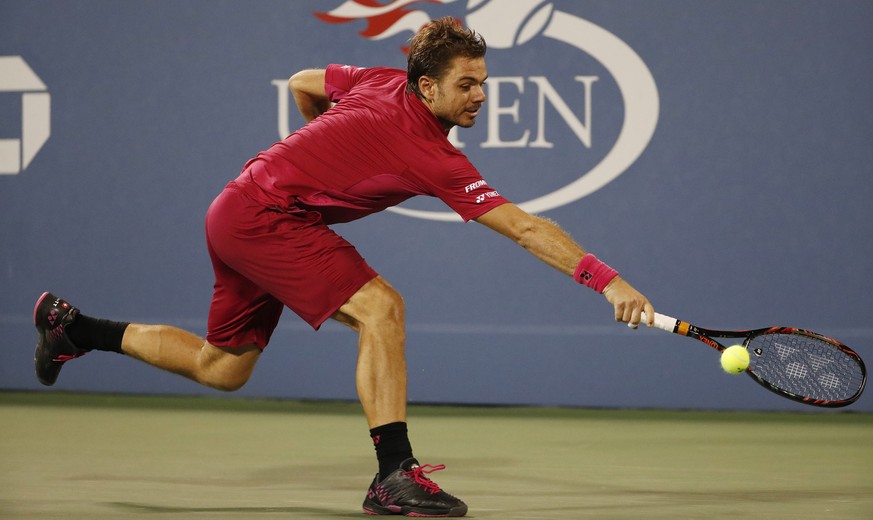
[{"x": 271, "y": 246}]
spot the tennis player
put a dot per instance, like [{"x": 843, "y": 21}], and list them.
[{"x": 374, "y": 138}]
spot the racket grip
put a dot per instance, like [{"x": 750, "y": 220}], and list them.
[{"x": 662, "y": 321}]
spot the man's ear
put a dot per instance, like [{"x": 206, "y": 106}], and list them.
[{"x": 426, "y": 86}]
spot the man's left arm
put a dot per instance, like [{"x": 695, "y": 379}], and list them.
[
  {"x": 307, "y": 87},
  {"x": 549, "y": 243}
]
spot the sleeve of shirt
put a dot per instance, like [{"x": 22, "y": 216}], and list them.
[
  {"x": 463, "y": 189},
  {"x": 339, "y": 80}
]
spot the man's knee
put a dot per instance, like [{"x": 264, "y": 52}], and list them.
[
  {"x": 227, "y": 370},
  {"x": 227, "y": 382},
  {"x": 389, "y": 305},
  {"x": 384, "y": 304},
  {"x": 377, "y": 303}
]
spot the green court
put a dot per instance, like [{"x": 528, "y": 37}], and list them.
[{"x": 93, "y": 457}]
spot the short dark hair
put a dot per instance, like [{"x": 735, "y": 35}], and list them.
[{"x": 435, "y": 45}]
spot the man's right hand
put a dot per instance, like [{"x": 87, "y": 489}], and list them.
[{"x": 629, "y": 304}]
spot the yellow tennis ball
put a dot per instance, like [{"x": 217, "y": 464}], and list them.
[{"x": 735, "y": 359}]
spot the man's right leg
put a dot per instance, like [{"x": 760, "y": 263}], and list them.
[{"x": 376, "y": 312}]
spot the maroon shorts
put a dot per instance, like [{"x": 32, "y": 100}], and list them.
[{"x": 265, "y": 259}]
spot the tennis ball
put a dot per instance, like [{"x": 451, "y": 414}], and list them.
[{"x": 735, "y": 359}]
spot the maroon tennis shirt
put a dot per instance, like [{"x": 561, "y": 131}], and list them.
[{"x": 375, "y": 148}]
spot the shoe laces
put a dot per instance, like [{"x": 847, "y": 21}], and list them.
[{"x": 418, "y": 475}]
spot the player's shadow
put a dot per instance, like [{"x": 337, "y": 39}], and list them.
[{"x": 304, "y": 512}]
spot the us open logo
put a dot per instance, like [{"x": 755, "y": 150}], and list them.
[
  {"x": 541, "y": 118},
  {"x": 16, "y": 77}
]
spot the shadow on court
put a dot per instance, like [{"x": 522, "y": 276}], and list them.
[
  {"x": 100, "y": 457},
  {"x": 302, "y": 512}
]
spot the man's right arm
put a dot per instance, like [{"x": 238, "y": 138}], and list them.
[
  {"x": 548, "y": 242},
  {"x": 307, "y": 87}
]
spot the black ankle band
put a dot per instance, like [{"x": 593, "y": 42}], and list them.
[
  {"x": 392, "y": 446},
  {"x": 96, "y": 334}
]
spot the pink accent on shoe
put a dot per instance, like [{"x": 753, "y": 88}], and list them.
[
  {"x": 35, "y": 307},
  {"x": 63, "y": 358},
  {"x": 384, "y": 495}
]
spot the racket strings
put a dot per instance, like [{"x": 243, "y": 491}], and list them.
[{"x": 805, "y": 366}]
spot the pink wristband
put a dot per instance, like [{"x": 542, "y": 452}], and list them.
[{"x": 593, "y": 273}]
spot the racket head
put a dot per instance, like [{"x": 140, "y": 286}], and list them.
[{"x": 805, "y": 366}]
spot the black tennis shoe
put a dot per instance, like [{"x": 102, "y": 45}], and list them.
[
  {"x": 407, "y": 491},
  {"x": 51, "y": 316}
]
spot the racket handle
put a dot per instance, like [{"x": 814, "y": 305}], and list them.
[{"x": 663, "y": 322}]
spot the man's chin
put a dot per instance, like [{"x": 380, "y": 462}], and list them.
[{"x": 466, "y": 122}]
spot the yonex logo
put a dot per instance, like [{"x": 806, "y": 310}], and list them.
[
  {"x": 17, "y": 153},
  {"x": 481, "y": 198}
]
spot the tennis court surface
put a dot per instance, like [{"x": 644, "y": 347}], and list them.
[{"x": 88, "y": 456}]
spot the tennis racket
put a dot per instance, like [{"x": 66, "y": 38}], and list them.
[{"x": 794, "y": 363}]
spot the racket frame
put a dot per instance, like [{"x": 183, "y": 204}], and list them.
[{"x": 684, "y": 328}]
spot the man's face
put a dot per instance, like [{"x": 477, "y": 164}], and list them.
[{"x": 457, "y": 97}]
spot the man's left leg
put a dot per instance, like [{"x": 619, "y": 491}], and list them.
[{"x": 64, "y": 334}]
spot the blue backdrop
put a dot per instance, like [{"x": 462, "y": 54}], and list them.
[{"x": 718, "y": 154}]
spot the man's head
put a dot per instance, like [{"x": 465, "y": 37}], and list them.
[{"x": 446, "y": 70}]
